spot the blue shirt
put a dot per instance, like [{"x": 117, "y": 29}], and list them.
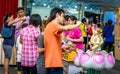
[
  {"x": 108, "y": 29},
  {"x": 9, "y": 41}
]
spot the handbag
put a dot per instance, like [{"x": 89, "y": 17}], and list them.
[{"x": 6, "y": 32}]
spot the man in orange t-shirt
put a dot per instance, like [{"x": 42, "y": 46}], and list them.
[{"x": 52, "y": 41}]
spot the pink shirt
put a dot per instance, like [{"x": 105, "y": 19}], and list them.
[
  {"x": 66, "y": 33},
  {"x": 29, "y": 53},
  {"x": 76, "y": 34}
]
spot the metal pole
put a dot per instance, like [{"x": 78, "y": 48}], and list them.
[
  {"x": 20, "y": 3},
  {"x": 25, "y": 5},
  {"x": 31, "y": 1},
  {"x": 79, "y": 9}
]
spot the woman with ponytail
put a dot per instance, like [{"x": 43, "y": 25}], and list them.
[{"x": 8, "y": 43}]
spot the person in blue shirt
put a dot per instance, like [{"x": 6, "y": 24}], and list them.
[{"x": 108, "y": 36}]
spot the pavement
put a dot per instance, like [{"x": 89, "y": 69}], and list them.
[
  {"x": 114, "y": 70},
  {"x": 12, "y": 70}
]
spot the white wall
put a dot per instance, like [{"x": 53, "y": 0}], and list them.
[
  {"x": 19, "y": 3},
  {"x": 43, "y": 11}
]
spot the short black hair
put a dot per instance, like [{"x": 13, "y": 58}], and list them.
[
  {"x": 24, "y": 25},
  {"x": 67, "y": 17},
  {"x": 19, "y": 8},
  {"x": 73, "y": 18},
  {"x": 35, "y": 19},
  {"x": 83, "y": 20},
  {"x": 6, "y": 17},
  {"x": 109, "y": 22},
  {"x": 53, "y": 13}
]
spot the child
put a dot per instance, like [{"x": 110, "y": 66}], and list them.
[
  {"x": 28, "y": 37},
  {"x": 19, "y": 47}
]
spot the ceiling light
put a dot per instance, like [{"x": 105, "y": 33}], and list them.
[
  {"x": 60, "y": 5},
  {"x": 91, "y": 9},
  {"x": 44, "y": 4},
  {"x": 33, "y": 4},
  {"x": 48, "y": 6},
  {"x": 85, "y": 7},
  {"x": 75, "y": 6}
]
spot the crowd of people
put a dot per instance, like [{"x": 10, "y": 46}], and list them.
[{"x": 39, "y": 44}]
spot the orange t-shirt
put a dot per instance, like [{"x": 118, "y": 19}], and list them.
[{"x": 52, "y": 42}]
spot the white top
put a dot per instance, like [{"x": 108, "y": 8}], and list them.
[{"x": 19, "y": 46}]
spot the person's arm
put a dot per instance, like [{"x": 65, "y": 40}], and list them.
[
  {"x": 76, "y": 40},
  {"x": 78, "y": 34},
  {"x": 19, "y": 26},
  {"x": 40, "y": 43},
  {"x": 40, "y": 50},
  {"x": 94, "y": 47},
  {"x": 16, "y": 20},
  {"x": 20, "y": 39},
  {"x": 21, "y": 36},
  {"x": 69, "y": 27}
]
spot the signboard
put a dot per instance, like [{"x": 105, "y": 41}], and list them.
[{"x": 117, "y": 33}]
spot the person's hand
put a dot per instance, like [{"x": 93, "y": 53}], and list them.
[
  {"x": 23, "y": 19},
  {"x": 68, "y": 38},
  {"x": 91, "y": 48},
  {"x": 90, "y": 44}
]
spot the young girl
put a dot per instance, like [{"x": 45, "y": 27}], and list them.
[
  {"x": 19, "y": 51},
  {"x": 75, "y": 35},
  {"x": 28, "y": 37}
]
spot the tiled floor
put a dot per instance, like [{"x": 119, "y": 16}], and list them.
[
  {"x": 115, "y": 70},
  {"x": 12, "y": 70}
]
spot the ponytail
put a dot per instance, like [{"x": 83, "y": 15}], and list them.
[{"x": 5, "y": 18}]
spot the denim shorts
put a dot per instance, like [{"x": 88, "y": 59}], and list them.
[{"x": 7, "y": 50}]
